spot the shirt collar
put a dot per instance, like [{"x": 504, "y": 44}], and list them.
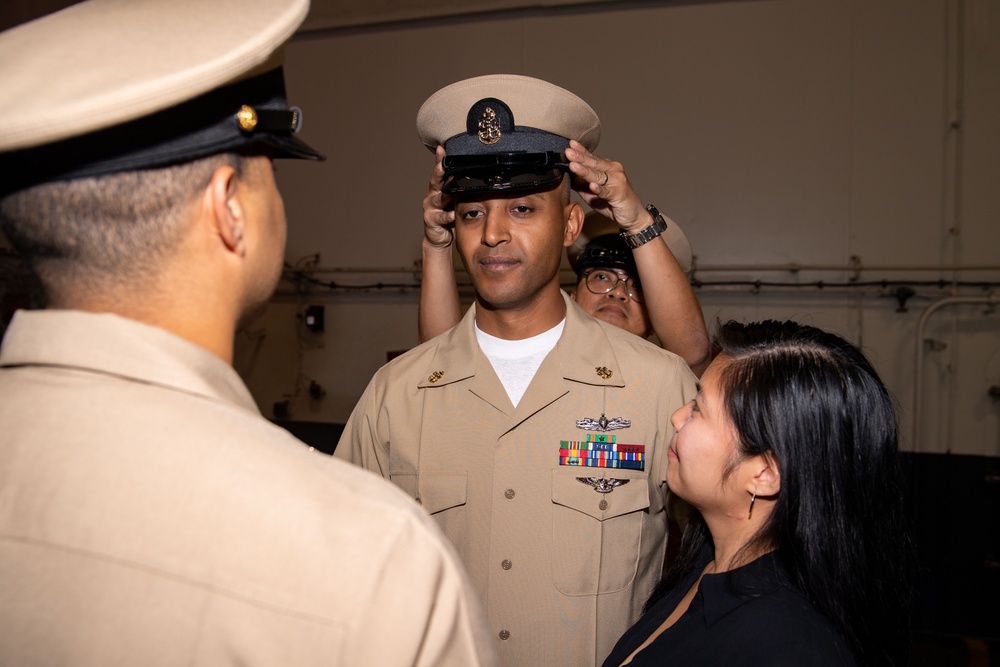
[
  {"x": 584, "y": 352},
  {"x": 114, "y": 345},
  {"x": 725, "y": 592}
]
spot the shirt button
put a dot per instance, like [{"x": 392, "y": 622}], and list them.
[
  {"x": 508, "y": 494},
  {"x": 506, "y": 564},
  {"x": 504, "y": 635},
  {"x": 603, "y": 505}
]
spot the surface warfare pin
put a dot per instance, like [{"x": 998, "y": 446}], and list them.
[
  {"x": 603, "y": 423},
  {"x": 603, "y": 484}
]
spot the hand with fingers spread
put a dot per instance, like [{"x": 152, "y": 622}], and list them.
[{"x": 605, "y": 187}]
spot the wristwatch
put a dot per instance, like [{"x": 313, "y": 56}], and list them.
[{"x": 646, "y": 235}]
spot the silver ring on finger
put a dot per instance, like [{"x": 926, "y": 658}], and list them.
[{"x": 605, "y": 181}]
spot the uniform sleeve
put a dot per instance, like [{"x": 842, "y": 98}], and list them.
[
  {"x": 360, "y": 442},
  {"x": 422, "y": 611}
]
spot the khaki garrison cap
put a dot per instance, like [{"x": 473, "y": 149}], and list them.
[
  {"x": 505, "y": 132},
  {"x": 600, "y": 244},
  {"x": 111, "y": 85}
]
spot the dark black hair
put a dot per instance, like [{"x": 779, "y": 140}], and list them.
[
  {"x": 815, "y": 402},
  {"x": 87, "y": 233}
]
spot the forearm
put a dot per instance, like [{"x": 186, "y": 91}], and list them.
[
  {"x": 439, "y": 308},
  {"x": 674, "y": 310}
]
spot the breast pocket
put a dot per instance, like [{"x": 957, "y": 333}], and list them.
[{"x": 596, "y": 536}]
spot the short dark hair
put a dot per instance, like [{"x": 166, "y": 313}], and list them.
[
  {"x": 85, "y": 232},
  {"x": 816, "y": 403}
]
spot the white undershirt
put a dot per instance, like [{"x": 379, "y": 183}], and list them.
[{"x": 517, "y": 361}]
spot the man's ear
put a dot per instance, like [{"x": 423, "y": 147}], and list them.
[
  {"x": 226, "y": 208},
  {"x": 766, "y": 475},
  {"x": 574, "y": 223}
]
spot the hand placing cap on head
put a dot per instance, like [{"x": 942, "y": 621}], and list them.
[
  {"x": 505, "y": 132},
  {"x": 107, "y": 85}
]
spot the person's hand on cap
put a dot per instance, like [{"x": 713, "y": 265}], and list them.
[
  {"x": 605, "y": 188},
  {"x": 439, "y": 217}
]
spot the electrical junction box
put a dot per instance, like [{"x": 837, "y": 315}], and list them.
[{"x": 314, "y": 318}]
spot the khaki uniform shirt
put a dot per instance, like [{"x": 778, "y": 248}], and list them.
[
  {"x": 562, "y": 568},
  {"x": 150, "y": 516}
]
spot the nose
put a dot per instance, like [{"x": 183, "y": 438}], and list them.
[
  {"x": 496, "y": 229},
  {"x": 619, "y": 291},
  {"x": 680, "y": 416}
]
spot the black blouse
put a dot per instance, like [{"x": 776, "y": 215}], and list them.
[{"x": 749, "y": 616}]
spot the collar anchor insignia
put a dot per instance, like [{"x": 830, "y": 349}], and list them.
[
  {"x": 603, "y": 423},
  {"x": 603, "y": 484}
]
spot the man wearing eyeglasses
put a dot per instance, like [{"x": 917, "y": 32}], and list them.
[
  {"x": 534, "y": 434},
  {"x": 609, "y": 285}
]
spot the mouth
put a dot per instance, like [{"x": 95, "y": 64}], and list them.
[
  {"x": 612, "y": 310},
  {"x": 497, "y": 263}
]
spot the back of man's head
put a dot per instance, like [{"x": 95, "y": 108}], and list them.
[
  {"x": 89, "y": 234},
  {"x": 115, "y": 118}
]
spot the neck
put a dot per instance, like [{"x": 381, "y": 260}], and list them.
[
  {"x": 537, "y": 316},
  {"x": 200, "y": 321},
  {"x": 731, "y": 534}
]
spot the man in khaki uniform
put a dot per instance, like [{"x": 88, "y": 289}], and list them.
[
  {"x": 535, "y": 434},
  {"x": 148, "y": 514}
]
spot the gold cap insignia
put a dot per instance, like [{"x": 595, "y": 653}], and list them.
[
  {"x": 435, "y": 376},
  {"x": 489, "y": 127},
  {"x": 604, "y": 372},
  {"x": 246, "y": 117}
]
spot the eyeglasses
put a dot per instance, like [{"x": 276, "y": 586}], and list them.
[{"x": 602, "y": 281}]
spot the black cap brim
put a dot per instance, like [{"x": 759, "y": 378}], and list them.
[
  {"x": 503, "y": 172},
  {"x": 207, "y": 125}
]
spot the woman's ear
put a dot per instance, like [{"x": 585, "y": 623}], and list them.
[
  {"x": 766, "y": 475},
  {"x": 227, "y": 211}
]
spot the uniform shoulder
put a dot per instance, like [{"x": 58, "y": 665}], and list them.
[
  {"x": 641, "y": 348},
  {"x": 414, "y": 358}
]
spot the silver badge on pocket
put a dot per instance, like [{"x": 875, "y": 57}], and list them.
[
  {"x": 602, "y": 423},
  {"x": 603, "y": 484}
]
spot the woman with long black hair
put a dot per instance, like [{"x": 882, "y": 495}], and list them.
[{"x": 796, "y": 554}]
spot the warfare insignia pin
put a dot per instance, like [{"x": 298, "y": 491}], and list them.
[
  {"x": 489, "y": 127},
  {"x": 604, "y": 372},
  {"x": 435, "y": 376},
  {"x": 603, "y": 484},
  {"x": 603, "y": 423}
]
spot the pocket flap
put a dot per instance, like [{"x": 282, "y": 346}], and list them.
[
  {"x": 441, "y": 491},
  {"x": 625, "y": 492}
]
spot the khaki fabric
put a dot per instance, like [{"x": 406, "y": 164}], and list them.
[
  {"x": 150, "y": 516},
  {"x": 563, "y": 570}
]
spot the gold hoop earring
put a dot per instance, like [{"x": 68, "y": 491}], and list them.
[{"x": 752, "y": 500}]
